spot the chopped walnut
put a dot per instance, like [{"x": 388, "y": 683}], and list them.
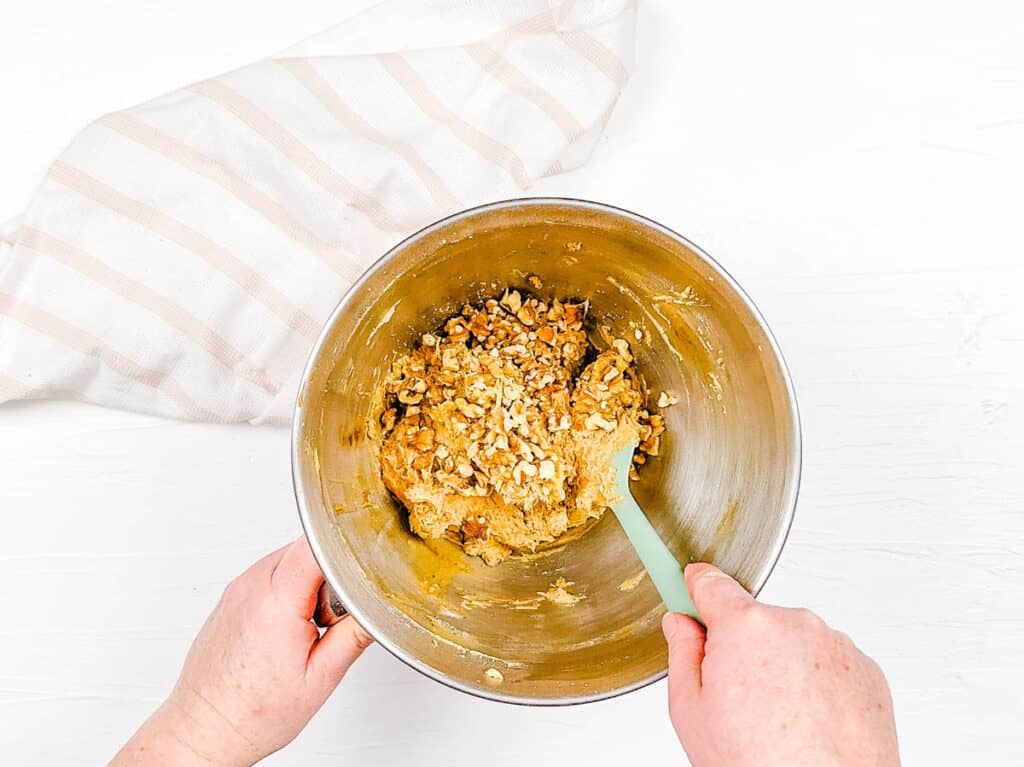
[
  {"x": 424, "y": 439},
  {"x": 512, "y": 301},
  {"x": 495, "y": 433},
  {"x": 595, "y": 421},
  {"x": 474, "y": 527}
]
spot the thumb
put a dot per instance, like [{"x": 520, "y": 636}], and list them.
[
  {"x": 685, "y": 640},
  {"x": 336, "y": 651},
  {"x": 715, "y": 594}
]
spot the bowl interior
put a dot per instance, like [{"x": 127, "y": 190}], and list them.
[{"x": 722, "y": 489}]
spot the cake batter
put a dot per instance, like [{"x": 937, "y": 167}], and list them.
[{"x": 498, "y": 435}]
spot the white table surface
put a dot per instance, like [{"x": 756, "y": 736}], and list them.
[{"x": 858, "y": 167}]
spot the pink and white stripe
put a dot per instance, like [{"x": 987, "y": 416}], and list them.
[{"x": 181, "y": 255}]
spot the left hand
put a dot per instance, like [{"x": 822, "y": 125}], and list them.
[{"x": 256, "y": 673}]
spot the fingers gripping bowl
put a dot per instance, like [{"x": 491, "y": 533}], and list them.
[{"x": 578, "y": 621}]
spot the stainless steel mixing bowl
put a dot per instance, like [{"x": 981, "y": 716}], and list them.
[{"x": 723, "y": 489}]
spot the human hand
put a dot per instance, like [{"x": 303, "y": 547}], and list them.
[
  {"x": 771, "y": 686},
  {"x": 256, "y": 673}
]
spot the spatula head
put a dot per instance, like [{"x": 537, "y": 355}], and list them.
[{"x": 661, "y": 564}]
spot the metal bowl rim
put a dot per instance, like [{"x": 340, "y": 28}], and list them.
[{"x": 796, "y": 439}]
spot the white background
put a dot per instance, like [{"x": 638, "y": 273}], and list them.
[{"x": 858, "y": 167}]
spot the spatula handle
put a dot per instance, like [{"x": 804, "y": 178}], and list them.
[{"x": 661, "y": 565}]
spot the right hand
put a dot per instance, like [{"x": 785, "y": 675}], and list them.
[{"x": 771, "y": 686}]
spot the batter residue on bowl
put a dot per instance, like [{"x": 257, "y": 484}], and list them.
[{"x": 498, "y": 434}]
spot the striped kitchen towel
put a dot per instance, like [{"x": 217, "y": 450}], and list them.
[{"x": 180, "y": 256}]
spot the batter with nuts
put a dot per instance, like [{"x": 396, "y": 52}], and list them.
[{"x": 499, "y": 435}]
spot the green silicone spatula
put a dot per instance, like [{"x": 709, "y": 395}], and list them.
[{"x": 661, "y": 565}]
